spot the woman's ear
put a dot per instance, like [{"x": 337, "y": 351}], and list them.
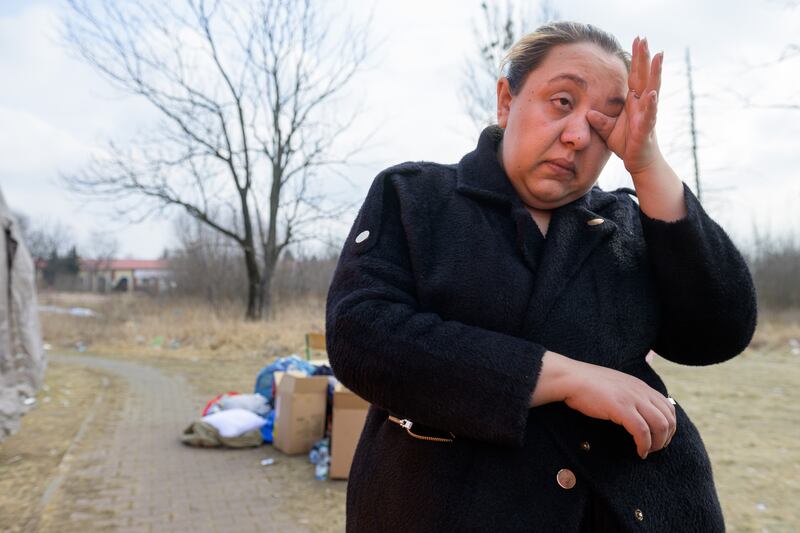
[{"x": 503, "y": 101}]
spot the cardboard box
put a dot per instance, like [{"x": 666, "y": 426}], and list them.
[
  {"x": 349, "y": 415},
  {"x": 300, "y": 403}
]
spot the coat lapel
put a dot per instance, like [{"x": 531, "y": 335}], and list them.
[
  {"x": 570, "y": 241},
  {"x": 481, "y": 177}
]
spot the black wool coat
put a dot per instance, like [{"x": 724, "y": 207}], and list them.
[{"x": 444, "y": 300}]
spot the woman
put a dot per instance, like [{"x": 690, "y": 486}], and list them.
[{"x": 497, "y": 314}]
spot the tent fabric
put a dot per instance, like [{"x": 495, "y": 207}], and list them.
[{"x": 22, "y": 359}]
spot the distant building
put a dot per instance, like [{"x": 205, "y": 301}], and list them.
[{"x": 122, "y": 275}]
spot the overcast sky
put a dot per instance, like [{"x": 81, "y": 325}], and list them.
[{"x": 55, "y": 111}]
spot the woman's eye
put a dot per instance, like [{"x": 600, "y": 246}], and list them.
[{"x": 562, "y": 103}]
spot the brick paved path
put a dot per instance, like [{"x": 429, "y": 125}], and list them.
[{"x": 157, "y": 484}]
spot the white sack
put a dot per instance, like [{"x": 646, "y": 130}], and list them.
[{"x": 234, "y": 422}]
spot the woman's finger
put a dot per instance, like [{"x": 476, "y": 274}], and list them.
[
  {"x": 632, "y": 76},
  {"x": 673, "y": 413},
  {"x": 664, "y": 406},
  {"x": 654, "y": 81},
  {"x": 644, "y": 64},
  {"x": 671, "y": 404},
  {"x": 650, "y": 110},
  {"x": 657, "y": 423},
  {"x": 661, "y": 403},
  {"x": 637, "y": 426},
  {"x": 642, "y": 59},
  {"x": 601, "y": 123}
]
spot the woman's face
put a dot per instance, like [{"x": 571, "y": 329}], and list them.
[{"x": 549, "y": 152}]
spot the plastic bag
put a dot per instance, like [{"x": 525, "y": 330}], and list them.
[
  {"x": 266, "y": 429},
  {"x": 213, "y": 405},
  {"x": 252, "y": 402},
  {"x": 266, "y": 375}
]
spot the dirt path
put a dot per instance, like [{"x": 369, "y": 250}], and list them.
[{"x": 145, "y": 480}]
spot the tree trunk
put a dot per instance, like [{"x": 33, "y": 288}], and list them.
[
  {"x": 270, "y": 261},
  {"x": 254, "y": 304}
]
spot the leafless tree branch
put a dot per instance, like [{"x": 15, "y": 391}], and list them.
[
  {"x": 246, "y": 93},
  {"x": 501, "y": 24}
]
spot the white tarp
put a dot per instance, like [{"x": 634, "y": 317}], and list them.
[{"x": 22, "y": 361}]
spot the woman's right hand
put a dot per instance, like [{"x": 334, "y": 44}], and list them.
[{"x": 608, "y": 394}]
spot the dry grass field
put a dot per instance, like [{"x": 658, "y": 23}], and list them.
[
  {"x": 748, "y": 410},
  {"x": 138, "y": 325}
]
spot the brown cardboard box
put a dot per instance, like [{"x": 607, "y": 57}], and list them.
[
  {"x": 349, "y": 415},
  {"x": 300, "y": 403}
]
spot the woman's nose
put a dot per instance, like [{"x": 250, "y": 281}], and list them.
[{"x": 577, "y": 132}]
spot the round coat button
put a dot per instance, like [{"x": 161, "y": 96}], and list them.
[
  {"x": 363, "y": 236},
  {"x": 585, "y": 446},
  {"x": 638, "y": 514},
  {"x": 565, "y": 478}
]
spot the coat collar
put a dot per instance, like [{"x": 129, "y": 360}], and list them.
[
  {"x": 570, "y": 237},
  {"x": 480, "y": 174}
]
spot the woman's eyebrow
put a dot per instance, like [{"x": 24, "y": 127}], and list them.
[
  {"x": 583, "y": 84},
  {"x": 574, "y": 78}
]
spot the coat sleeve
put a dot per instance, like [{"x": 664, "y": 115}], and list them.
[
  {"x": 448, "y": 375},
  {"x": 706, "y": 294}
]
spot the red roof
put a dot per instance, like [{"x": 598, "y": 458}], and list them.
[{"x": 126, "y": 264}]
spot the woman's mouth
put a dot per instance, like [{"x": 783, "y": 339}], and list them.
[{"x": 561, "y": 167}]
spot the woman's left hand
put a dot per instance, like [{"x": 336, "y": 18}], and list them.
[{"x": 632, "y": 135}]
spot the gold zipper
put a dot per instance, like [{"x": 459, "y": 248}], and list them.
[{"x": 406, "y": 424}]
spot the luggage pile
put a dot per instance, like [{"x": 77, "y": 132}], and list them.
[{"x": 298, "y": 406}]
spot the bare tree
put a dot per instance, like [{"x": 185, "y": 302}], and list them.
[
  {"x": 103, "y": 247},
  {"x": 500, "y": 26},
  {"x": 789, "y": 53},
  {"x": 206, "y": 264},
  {"x": 246, "y": 91},
  {"x": 775, "y": 264},
  {"x": 692, "y": 125},
  {"x": 44, "y": 237}
]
